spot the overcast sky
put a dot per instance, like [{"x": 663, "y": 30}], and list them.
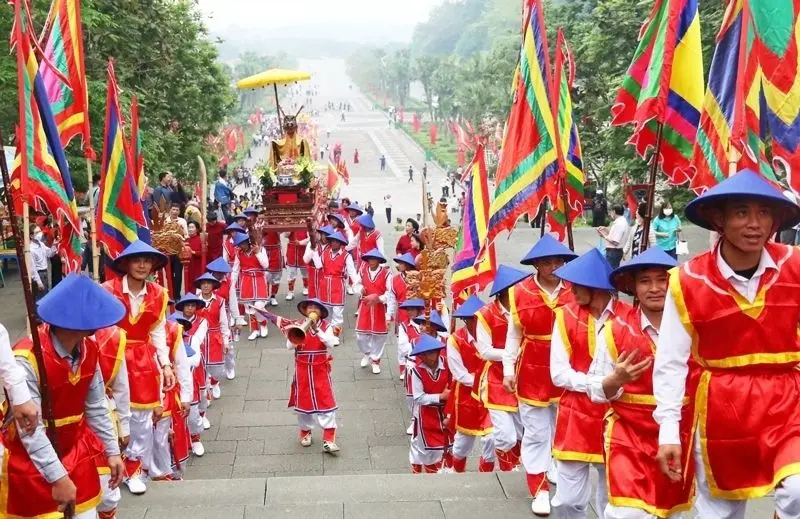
[{"x": 269, "y": 15}]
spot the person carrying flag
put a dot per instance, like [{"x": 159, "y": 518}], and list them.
[{"x": 372, "y": 325}]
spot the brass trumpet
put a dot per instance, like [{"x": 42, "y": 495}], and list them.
[{"x": 296, "y": 334}]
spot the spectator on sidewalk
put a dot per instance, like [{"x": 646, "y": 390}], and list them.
[
  {"x": 369, "y": 209},
  {"x": 223, "y": 195},
  {"x": 162, "y": 194},
  {"x": 425, "y": 171},
  {"x": 445, "y": 186},
  {"x": 383, "y": 162},
  {"x": 387, "y": 205},
  {"x": 410, "y": 173}
]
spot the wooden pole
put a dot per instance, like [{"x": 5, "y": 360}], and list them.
[
  {"x": 651, "y": 190},
  {"x": 203, "y": 213},
  {"x": 47, "y": 409},
  {"x": 570, "y": 239},
  {"x": 93, "y": 226},
  {"x": 543, "y": 218},
  {"x": 278, "y": 107}
]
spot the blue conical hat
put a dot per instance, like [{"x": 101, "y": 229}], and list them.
[
  {"x": 435, "y": 318},
  {"x": 469, "y": 307},
  {"x": 78, "y": 303},
  {"x": 654, "y": 257},
  {"x": 745, "y": 184},
  {"x": 407, "y": 259},
  {"x": 240, "y": 239},
  {"x": 338, "y": 237},
  {"x": 179, "y": 318},
  {"x": 250, "y": 211},
  {"x": 412, "y": 303},
  {"x": 327, "y": 229},
  {"x": 374, "y": 254},
  {"x": 302, "y": 306},
  {"x": 506, "y": 277},
  {"x": 354, "y": 207},
  {"x": 366, "y": 221},
  {"x": 589, "y": 270},
  {"x": 207, "y": 276},
  {"x": 547, "y": 247},
  {"x": 135, "y": 250},
  {"x": 219, "y": 266},
  {"x": 235, "y": 228},
  {"x": 337, "y": 217},
  {"x": 425, "y": 343},
  {"x": 190, "y": 297}
]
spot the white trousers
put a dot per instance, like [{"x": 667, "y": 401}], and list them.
[
  {"x": 216, "y": 372},
  {"x": 161, "y": 463},
  {"x": 336, "y": 314},
  {"x": 111, "y": 498},
  {"x": 295, "y": 272},
  {"x": 787, "y": 496},
  {"x": 371, "y": 344},
  {"x": 195, "y": 418},
  {"x": 574, "y": 489},
  {"x": 307, "y": 421},
  {"x": 274, "y": 278},
  {"x": 463, "y": 444},
  {"x": 419, "y": 455},
  {"x": 230, "y": 356},
  {"x": 507, "y": 429},
  {"x": 537, "y": 440},
  {"x": 140, "y": 446}
]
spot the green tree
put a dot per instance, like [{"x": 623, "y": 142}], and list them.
[{"x": 424, "y": 69}]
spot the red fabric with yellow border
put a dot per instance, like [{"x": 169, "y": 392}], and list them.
[
  {"x": 469, "y": 414},
  {"x": 490, "y": 385}
]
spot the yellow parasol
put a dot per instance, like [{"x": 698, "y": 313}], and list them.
[{"x": 274, "y": 77}]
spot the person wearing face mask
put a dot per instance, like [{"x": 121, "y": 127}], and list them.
[
  {"x": 667, "y": 228},
  {"x": 40, "y": 255}
]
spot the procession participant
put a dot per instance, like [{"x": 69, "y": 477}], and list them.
[
  {"x": 339, "y": 223},
  {"x": 295, "y": 247},
  {"x": 351, "y": 212},
  {"x": 111, "y": 358},
  {"x": 407, "y": 332},
  {"x": 372, "y": 325},
  {"x": 430, "y": 380},
  {"x": 578, "y": 442},
  {"x": 334, "y": 266},
  {"x": 251, "y": 213},
  {"x": 637, "y": 489},
  {"x": 172, "y": 442},
  {"x": 145, "y": 314},
  {"x": 221, "y": 272},
  {"x": 13, "y": 378},
  {"x": 526, "y": 361},
  {"x": 730, "y": 330},
  {"x": 432, "y": 325},
  {"x": 250, "y": 279},
  {"x": 217, "y": 343},
  {"x": 490, "y": 340},
  {"x": 272, "y": 246},
  {"x": 368, "y": 237},
  {"x": 228, "y": 246},
  {"x": 312, "y": 389},
  {"x": 215, "y": 230},
  {"x": 313, "y": 271},
  {"x": 189, "y": 305},
  {"x": 35, "y": 482},
  {"x": 404, "y": 263},
  {"x": 471, "y": 419}
]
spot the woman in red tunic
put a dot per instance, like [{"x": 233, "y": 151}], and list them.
[{"x": 195, "y": 266}]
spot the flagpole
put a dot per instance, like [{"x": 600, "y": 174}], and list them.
[
  {"x": 543, "y": 219},
  {"x": 570, "y": 239},
  {"x": 203, "y": 212},
  {"x": 26, "y": 238},
  {"x": 93, "y": 225},
  {"x": 651, "y": 189}
]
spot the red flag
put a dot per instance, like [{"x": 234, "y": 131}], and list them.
[
  {"x": 433, "y": 131},
  {"x": 341, "y": 170},
  {"x": 416, "y": 123},
  {"x": 230, "y": 140},
  {"x": 460, "y": 157}
]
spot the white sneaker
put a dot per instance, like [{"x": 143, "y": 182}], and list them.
[
  {"x": 376, "y": 368},
  {"x": 136, "y": 485},
  {"x": 263, "y": 330},
  {"x": 230, "y": 374},
  {"x": 541, "y": 504},
  {"x": 289, "y": 296},
  {"x": 410, "y": 429},
  {"x": 198, "y": 449},
  {"x": 306, "y": 440},
  {"x": 273, "y": 301},
  {"x": 330, "y": 447},
  {"x": 446, "y": 470},
  {"x": 216, "y": 391},
  {"x": 305, "y": 291},
  {"x": 350, "y": 291},
  {"x": 364, "y": 361},
  {"x": 552, "y": 474},
  {"x": 206, "y": 423},
  {"x": 253, "y": 335},
  {"x": 236, "y": 336}
]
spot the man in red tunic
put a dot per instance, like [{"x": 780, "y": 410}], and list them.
[
  {"x": 295, "y": 247},
  {"x": 578, "y": 442},
  {"x": 146, "y": 351},
  {"x": 250, "y": 277},
  {"x": 526, "y": 362},
  {"x": 368, "y": 238},
  {"x": 308, "y": 258},
  {"x": 471, "y": 418},
  {"x": 272, "y": 246},
  {"x": 215, "y": 232},
  {"x": 217, "y": 343},
  {"x": 229, "y": 249},
  {"x": 490, "y": 340},
  {"x": 35, "y": 482},
  {"x": 399, "y": 289},
  {"x": 372, "y": 324},
  {"x": 636, "y": 486},
  {"x": 221, "y": 271},
  {"x": 729, "y": 339},
  {"x": 334, "y": 266}
]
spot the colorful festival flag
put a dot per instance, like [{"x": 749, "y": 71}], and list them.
[
  {"x": 41, "y": 173},
  {"x": 137, "y": 154},
  {"x": 120, "y": 214},
  {"x": 529, "y": 159},
  {"x": 664, "y": 86},
  {"x": 63, "y": 49},
  {"x": 472, "y": 270}
]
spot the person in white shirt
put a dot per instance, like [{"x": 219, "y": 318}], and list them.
[
  {"x": 13, "y": 377},
  {"x": 729, "y": 340},
  {"x": 40, "y": 255},
  {"x": 615, "y": 237}
]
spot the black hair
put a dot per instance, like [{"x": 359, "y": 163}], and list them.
[
  {"x": 95, "y": 178},
  {"x": 162, "y": 175},
  {"x": 414, "y": 224},
  {"x": 416, "y": 237},
  {"x": 618, "y": 210},
  {"x": 642, "y": 210}
]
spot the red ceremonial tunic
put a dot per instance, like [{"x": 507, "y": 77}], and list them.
[
  {"x": 312, "y": 388},
  {"x": 111, "y": 350},
  {"x": 579, "y": 423},
  {"x": 181, "y": 444},
  {"x": 252, "y": 283},
  {"x": 632, "y": 472},
  {"x": 144, "y": 377},
  {"x": 294, "y": 251},
  {"x": 331, "y": 277},
  {"x": 215, "y": 238},
  {"x": 400, "y": 291},
  {"x": 224, "y": 290},
  {"x": 430, "y": 422},
  {"x": 490, "y": 384},
  {"x": 272, "y": 244},
  {"x": 470, "y": 416},
  {"x": 229, "y": 250},
  {"x": 313, "y": 274},
  {"x": 214, "y": 345},
  {"x": 199, "y": 375},
  {"x": 372, "y": 319},
  {"x": 25, "y": 493},
  {"x": 746, "y": 371},
  {"x": 413, "y": 333},
  {"x": 194, "y": 269},
  {"x": 534, "y": 311},
  {"x": 367, "y": 241}
]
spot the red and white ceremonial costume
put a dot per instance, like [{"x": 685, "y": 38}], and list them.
[
  {"x": 578, "y": 442},
  {"x": 399, "y": 296},
  {"x": 229, "y": 250},
  {"x": 637, "y": 488},
  {"x": 295, "y": 249},
  {"x": 471, "y": 419},
  {"x": 228, "y": 294},
  {"x": 490, "y": 341},
  {"x": 145, "y": 349},
  {"x": 365, "y": 241},
  {"x": 250, "y": 278},
  {"x": 312, "y": 271},
  {"x": 431, "y": 437},
  {"x": 406, "y": 335},
  {"x": 333, "y": 268},
  {"x": 312, "y": 389},
  {"x": 371, "y": 327},
  {"x": 196, "y": 338},
  {"x": 731, "y": 343},
  {"x": 218, "y": 337},
  {"x": 170, "y": 455},
  {"x": 272, "y": 246},
  {"x": 527, "y": 356},
  {"x": 24, "y": 490}
]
